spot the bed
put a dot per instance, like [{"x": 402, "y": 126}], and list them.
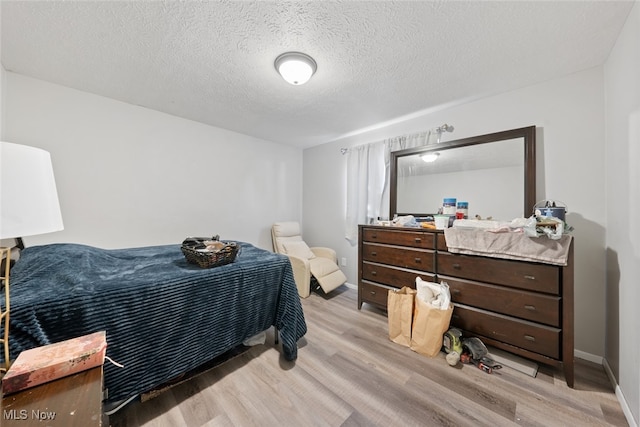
[{"x": 163, "y": 317}]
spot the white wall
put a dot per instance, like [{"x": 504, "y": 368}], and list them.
[
  {"x": 129, "y": 176},
  {"x": 2, "y": 74},
  {"x": 2, "y": 109},
  {"x": 622, "y": 83},
  {"x": 569, "y": 114}
]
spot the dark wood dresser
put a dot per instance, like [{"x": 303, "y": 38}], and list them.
[{"x": 522, "y": 307}]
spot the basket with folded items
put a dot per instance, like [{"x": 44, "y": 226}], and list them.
[{"x": 209, "y": 252}]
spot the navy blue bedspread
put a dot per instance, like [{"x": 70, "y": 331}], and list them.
[{"x": 162, "y": 316}]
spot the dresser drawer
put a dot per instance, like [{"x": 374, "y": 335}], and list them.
[
  {"x": 392, "y": 276},
  {"x": 540, "y": 339},
  {"x": 516, "y": 274},
  {"x": 374, "y": 294},
  {"x": 418, "y": 259},
  {"x": 513, "y": 302},
  {"x": 441, "y": 243},
  {"x": 414, "y": 239}
]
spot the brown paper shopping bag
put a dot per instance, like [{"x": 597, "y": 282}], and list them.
[
  {"x": 429, "y": 325},
  {"x": 400, "y": 314}
]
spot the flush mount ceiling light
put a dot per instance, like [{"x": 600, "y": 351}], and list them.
[
  {"x": 430, "y": 157},
  {"x": 295, "y": 67}
]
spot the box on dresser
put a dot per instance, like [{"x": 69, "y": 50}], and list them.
[
  {"x": 40, "y": 365},
  {"x": 522, "y": 307}
]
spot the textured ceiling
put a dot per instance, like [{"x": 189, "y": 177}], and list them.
[{"x": 212, "y": 62}]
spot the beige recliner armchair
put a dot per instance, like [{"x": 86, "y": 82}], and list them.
[{"x": 307, "y": 263}]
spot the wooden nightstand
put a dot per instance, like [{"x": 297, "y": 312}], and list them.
[{"x": 75, "y": 400}]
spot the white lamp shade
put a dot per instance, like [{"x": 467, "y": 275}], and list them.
[
  {"x": 28, "y": 196},
  {"x": 295, "y": 67}
]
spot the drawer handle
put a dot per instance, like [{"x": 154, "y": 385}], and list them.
[
  {"x": 530, "y": 307},
  {"x": 455, "y": 291},
  {"x": 374, "y": 236},
  {"x": 373, "y": 272},
  {"x": 456, "y": 266},
  {"x": 528, "y": 277},
  {"x": 373, "y": 292},
  {"x": 455, "y": 316},
  {"x": 374, "y": 253},
  {"x": 529, "y": 338},
  {"x": 418, "y": 240},
  {"x": 417, "y": 260}
]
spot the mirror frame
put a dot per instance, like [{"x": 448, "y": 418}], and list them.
[{"x": 529, "y": 135}]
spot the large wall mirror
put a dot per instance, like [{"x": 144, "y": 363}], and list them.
[{"x": 494, "y": 173}]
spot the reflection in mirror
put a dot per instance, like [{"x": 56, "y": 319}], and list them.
[
  {"x": 494, "y": 173},
  {"x": 489, "y": 177}
]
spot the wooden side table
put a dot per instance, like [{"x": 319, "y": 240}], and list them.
[{"x": 75, "y": 400}]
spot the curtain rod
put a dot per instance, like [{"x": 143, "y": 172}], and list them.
[{"x": 439, "y": 130}]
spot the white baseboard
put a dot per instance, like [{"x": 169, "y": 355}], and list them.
[
  {"x": 351, "y": 286},
  {"x": 602, "y": 361},
  {"x": 588, "y": 357},
  {"x": 623, "y": 402}
]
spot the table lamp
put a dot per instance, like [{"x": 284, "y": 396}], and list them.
[{"x": 28, "y": 206}]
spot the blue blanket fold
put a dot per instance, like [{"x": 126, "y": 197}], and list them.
[{"x": 162, "y": 315}]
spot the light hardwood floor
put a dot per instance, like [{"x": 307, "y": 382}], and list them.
[{"x": 348, "y": 373}]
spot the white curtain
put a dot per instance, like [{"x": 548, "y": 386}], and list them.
[
  {"x": 365, "y": 183},
  {"x": 395, "y": 144},
  {"x": 368, "y": 180}
]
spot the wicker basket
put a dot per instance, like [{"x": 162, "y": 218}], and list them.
[{"x": 208, "y": 258}]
